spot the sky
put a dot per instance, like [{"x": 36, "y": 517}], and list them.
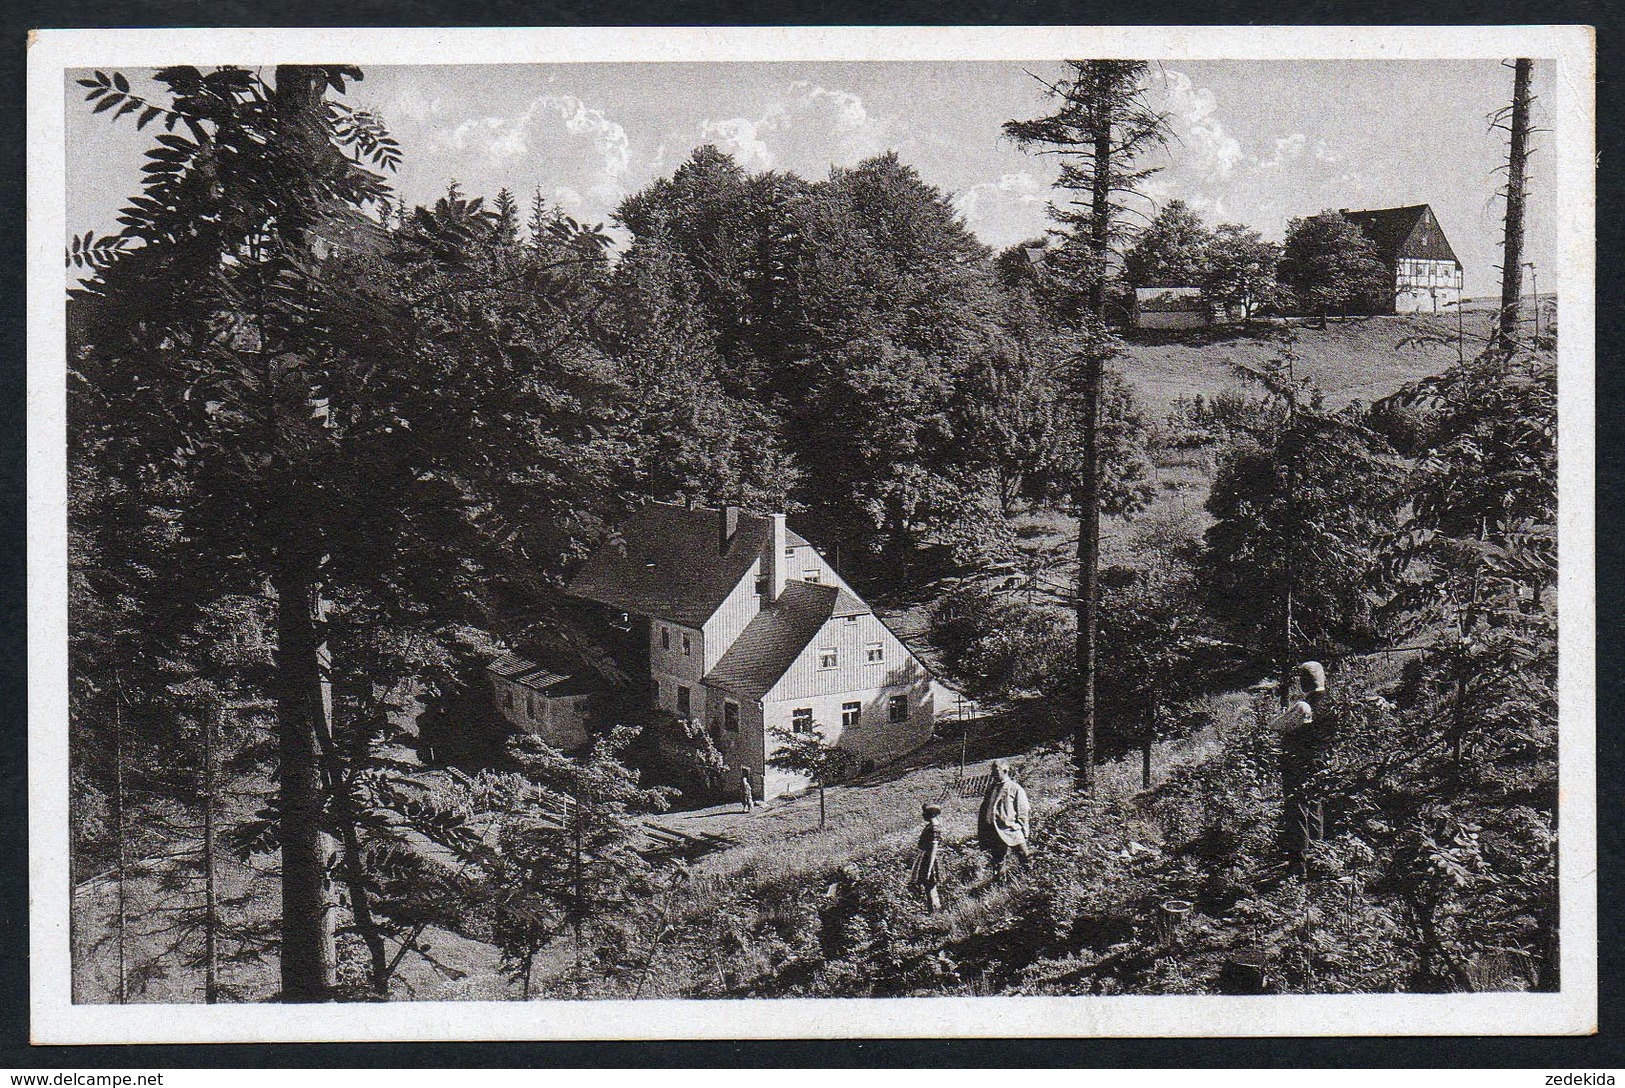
[{"x": 1254, "y": 142}]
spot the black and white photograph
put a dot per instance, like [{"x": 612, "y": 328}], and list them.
[{"x": 656, "y": 530}]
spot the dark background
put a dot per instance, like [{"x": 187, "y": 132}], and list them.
[{"x": 1601, "y": 1051}]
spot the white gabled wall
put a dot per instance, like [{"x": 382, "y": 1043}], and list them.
[
  {"x": 1426, "y": 286},
  {"x": 800, "y": 559},
  {"x": 826, "y": 691},
  {"x": 737, "y": 609}
]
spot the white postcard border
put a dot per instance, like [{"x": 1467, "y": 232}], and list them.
[{"x": 56, "y": 1020}]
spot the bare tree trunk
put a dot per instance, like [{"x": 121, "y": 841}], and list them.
[
  {"x": 1083, "y": 745},
  {"x": 1512, "y": 247},
  {"x": 303, "y": 704},
  {"x": 211, "y": 917},
  {"x": 361, "y": 906},
  {"x": 118, "y": 839},
  {"x": 353, "y": 871},
  {"x": 302, "y": 686}
]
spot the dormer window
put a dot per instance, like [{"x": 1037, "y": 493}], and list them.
[{"x": 810, "y": 576}]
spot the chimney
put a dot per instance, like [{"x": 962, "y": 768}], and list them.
[
  {"x": 776, "y": 568},
  {"x": 727, "y": 526}
]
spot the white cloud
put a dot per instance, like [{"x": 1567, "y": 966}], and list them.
[
  {"x": 415, "y": 106},
  {"x": 1213, "y": 152},
  {"x": 1287, "y": 149},
  {"x": 860, "y": 133},
  {"x": 1324, "y": 153},
  {"x": 744, "y": 139},
  {"x": 506, "y": 138},
  {"x": 1006, "y": 211},
  {"x": 808, "y": 127},
  {"x": 1159, "y": 189}
]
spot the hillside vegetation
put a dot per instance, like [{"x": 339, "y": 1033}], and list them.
[
  {"x": 1360, "y": 358},
  {"x": 333, "y": 455}
]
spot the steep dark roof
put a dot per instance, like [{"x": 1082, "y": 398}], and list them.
[
  {"x": 848, "y": 605},
  {"x": 772, "y": 641},
  {"x": 555, "y": 678},
  {"x": 666, "y": 561},
  {"x": 1404, "y": 232}
]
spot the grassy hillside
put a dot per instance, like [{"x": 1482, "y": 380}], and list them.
[{"x": 1358, "y": 359}]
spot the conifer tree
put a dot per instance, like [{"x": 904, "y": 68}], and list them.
[{"x": 1101, "y": 128}]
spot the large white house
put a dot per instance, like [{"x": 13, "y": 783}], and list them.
[
  {"x": 750, "y": 629},
  {"x": 1425, "y": 273}
]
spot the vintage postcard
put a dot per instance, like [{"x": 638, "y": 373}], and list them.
[{"x": 822, "y": 532}]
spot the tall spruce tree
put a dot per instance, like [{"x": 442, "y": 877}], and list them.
[
  {"x": 1516, "y": 120},
  {"x": 1101, "y": 129}
]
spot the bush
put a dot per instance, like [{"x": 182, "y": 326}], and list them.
[{"x": 998, "y": 646}]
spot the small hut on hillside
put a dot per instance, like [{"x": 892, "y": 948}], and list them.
[{"x": 1170, "y": 308}]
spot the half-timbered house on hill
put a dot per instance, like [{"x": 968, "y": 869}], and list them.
[
  {"x": 748, "y": 629},
  {"x": 1422, "y": 267}
]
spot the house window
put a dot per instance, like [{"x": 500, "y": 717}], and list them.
[
  {"x": 730, "y": 717},
  {"x": 851, "y": 714},
  {"x": 828, "y": 658},
  {"x": 683, "y": 701},
  {"x": 897, "y": 708},
  {"x": 801, "y": 720},
  {"x": 810, "y": 576},
  {"x": 874, "y": 653},
  {"x": 665, "y": 638},
  {"x": 507, "y": 698},
  {"x": 530, "y": 705},
  {"x": 687, "y": 646},
  {"x": 761, "y": 586}
]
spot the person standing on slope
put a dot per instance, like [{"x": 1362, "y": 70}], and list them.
[
  {"x": 927, "y": 871},
  {"x": 1303, "y": 728},
  {"x": 1004, "y": 823}
]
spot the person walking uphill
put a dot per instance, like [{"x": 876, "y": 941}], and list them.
[
  {"x": 1005, "y": 821},
  {"x": 927, "y": 871},
  {"x": 1304, "y": 731}
]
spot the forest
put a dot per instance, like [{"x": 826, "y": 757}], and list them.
[{"x": 330, "y": 454}]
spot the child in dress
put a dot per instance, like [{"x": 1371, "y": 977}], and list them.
[{"x": 927, "y": 871}]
